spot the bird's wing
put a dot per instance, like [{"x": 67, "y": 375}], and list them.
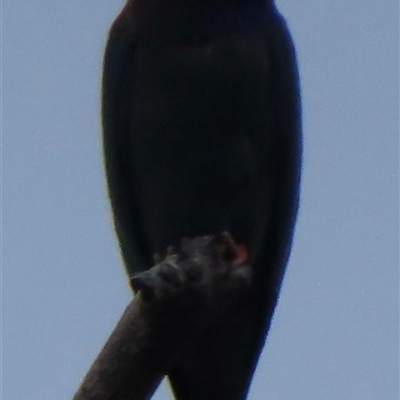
[
  {"x": 220, "y": 363},
  {"x": 117, "y": 116}
]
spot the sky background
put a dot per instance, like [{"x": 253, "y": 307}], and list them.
[{"x": 336, "y": 329}]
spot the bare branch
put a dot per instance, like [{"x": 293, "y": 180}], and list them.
[{"x": 176, "y": 299}]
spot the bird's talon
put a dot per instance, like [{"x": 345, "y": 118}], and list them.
[
  {"x": 143, "y": 284},
  {"x": 224, "y": 246}
]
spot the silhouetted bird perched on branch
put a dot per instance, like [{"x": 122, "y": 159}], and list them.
[{"x": 201, "y": 116}]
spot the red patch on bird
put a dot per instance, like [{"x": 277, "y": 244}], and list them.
[{"x": 242, "y": 254}]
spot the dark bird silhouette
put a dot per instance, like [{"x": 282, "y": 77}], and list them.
[{"x": 201, "y": 119}]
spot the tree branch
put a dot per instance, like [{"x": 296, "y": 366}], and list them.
[{"x": 175, "y": 300}]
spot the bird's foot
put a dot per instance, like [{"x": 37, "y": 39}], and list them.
[
  {"x": 201, "y": 272},
  {"x": 242, "y": 254}
]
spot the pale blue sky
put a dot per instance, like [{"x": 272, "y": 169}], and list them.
[{"x": 335, "y": 332}]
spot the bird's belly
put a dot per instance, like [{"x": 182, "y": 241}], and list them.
[
  {"x": 197, "y": 164},
  {"x": 181, "y": 193}
]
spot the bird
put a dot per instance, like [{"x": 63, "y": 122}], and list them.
[{"x": 201, "y": 116}]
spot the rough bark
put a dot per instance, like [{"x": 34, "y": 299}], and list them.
[{"x": 177, "y": 298}]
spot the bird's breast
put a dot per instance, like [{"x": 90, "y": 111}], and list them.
[{"x": 200, "y": 138}]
